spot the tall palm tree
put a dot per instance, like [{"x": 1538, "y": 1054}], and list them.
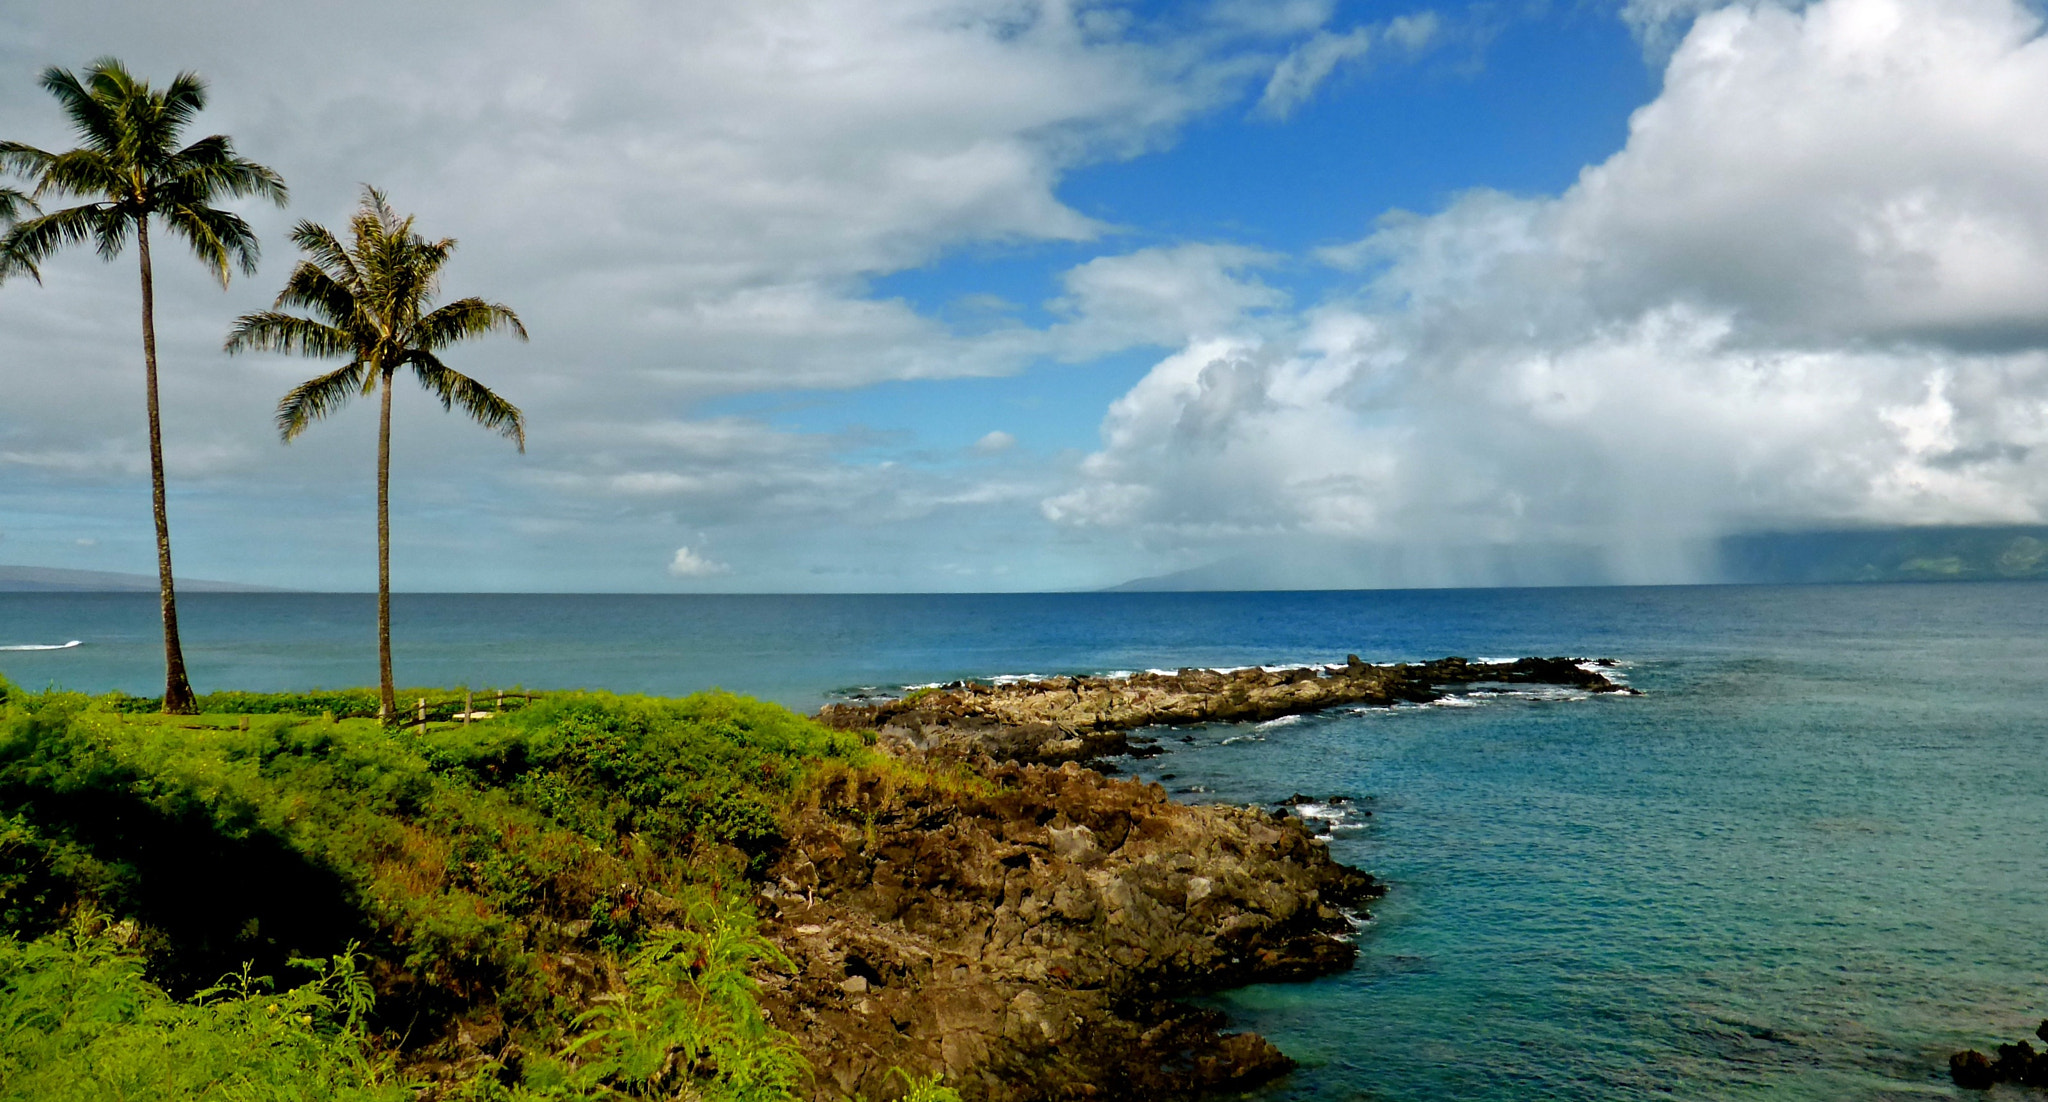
[
  {"x": 132, "y": 171},
  {"x": 369, "y": 302}
]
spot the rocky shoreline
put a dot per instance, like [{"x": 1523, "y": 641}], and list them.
[
  {"x": 1025, "y": 925},
  {"x": 1061, "y": 719},
  {"x": 1027, "y": 935}
]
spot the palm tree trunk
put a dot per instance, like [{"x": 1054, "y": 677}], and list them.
[
  {"x": 387, "y": 704},
  {"x": 177, "y": 690}
]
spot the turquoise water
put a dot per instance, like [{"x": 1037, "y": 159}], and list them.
[{"x": 1806, "y": 865}]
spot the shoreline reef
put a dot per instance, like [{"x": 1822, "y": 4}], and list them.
[
  {"x": 591, "y": 897},
  {"x": 1052, "y": 720}
]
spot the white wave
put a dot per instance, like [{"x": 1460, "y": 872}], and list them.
[
  {"x": 46, "y": 646},
  {"x": 1617, "y": 672},
  {"x": 1283, "y": 721},
  {"x": 1335, "y": 817},
  {"x": 1243, "y": 738},
  {"x": 1532, "y": 692}
]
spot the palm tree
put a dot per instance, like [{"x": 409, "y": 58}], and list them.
[
  {"x": 132, "y": 171},
  {"x": 369, "y": 302}
]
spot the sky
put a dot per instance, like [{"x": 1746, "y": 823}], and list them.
[{"x": 981, "y": 295}]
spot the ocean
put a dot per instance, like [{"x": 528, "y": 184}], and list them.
[{"x": 1807, "y": 864}]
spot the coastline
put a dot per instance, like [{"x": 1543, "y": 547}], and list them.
[
  {"x": 1028, "y": 929},
  {"x": 1024, "y": 930}
]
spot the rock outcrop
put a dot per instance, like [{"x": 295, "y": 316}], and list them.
[
  {"x": 1026, "y": 931},
  {"x": 1026, "y": 928},
  {"x": 1062, "y": 719},
  {"x": 2018, "y": 1064}
]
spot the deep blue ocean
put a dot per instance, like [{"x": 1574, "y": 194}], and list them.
[{"x": 1810, "y": 862}]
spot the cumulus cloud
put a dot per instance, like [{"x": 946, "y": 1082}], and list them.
[
  {"x": 690, "y": 564},
  {"x": 997, "y": 441},
  {"x": 1812, "y": 288}
]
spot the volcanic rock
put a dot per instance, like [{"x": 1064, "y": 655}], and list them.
[
  {"x": 1062, "y": 719},
  {"x": 1027, "y": 932}
]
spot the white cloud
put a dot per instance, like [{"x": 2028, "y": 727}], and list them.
[
  {"x": 997, "y": 441},
  {"x": 1272, "y": 17},
  {"x": 683, "y": 202},
  {"x": 1413, "y": 31},
  {"x": 1659, "y": 24},
  {"x": 690, "y": 564},
  {"x": 1813, "y": 288},
  {"x": 1298, "y": 75},
  {"x": 1160, "y": 296},
  {"x": 1308, "y": 66}
]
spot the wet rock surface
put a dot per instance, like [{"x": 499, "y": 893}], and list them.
[
  {"x": 2016, "y": 1063},
  {"x": 1061, "y": 719},
  {"x": 1026, "y": 930}
]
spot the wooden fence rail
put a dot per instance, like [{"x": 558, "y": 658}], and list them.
[{"x": 464, "y": 710}]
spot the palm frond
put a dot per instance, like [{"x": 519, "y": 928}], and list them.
[
  {"x": 183, "y": 98},
  {"x": 32, "y": 241},
  {"x": 217, "y": 237},
  {"x": 87, "y": 174},
  {"x": 311, "y": 288},
  {"x": 23, "y": 159},
  {"x": 12, "y": 204},
  {"x": 476, "y": 400},
  {"x": 274, "y": 331},
  {"x": 469, "y": 317},
  {"x": 208, "y": 170},
  {"x": 325, "y": 251},
  {"x": 376, "y": 206},
  {"x": 316, "y": 398},
  {"x": 90, "y": 117}
]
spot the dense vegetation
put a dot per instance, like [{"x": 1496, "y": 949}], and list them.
[{"x": 550, "y": 904}]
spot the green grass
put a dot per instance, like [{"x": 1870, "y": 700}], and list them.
[{"x": 444, "y": 875}]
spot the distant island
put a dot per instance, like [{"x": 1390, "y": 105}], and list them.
[
  {"x": 1926, "y": 554},
  {"x": 49, "y": 579}
]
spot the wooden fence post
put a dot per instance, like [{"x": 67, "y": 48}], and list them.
[
  {"x": 468, "y": 705},
  {"x": 423, "y": 713}
]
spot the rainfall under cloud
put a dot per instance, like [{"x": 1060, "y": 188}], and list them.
[{"x": 929, "y": 294}]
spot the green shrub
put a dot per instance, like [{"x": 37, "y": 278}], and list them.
[
  {"x": 79, "y": 1020},
  {"x": 687, "y": 1021},
  {"x": 461, "y": 859}
]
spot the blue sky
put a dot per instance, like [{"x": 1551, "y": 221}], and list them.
[{"x": 995, "y": 294}]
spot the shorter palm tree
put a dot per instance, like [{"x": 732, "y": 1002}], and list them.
[{"x": 369, "y": 302}]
